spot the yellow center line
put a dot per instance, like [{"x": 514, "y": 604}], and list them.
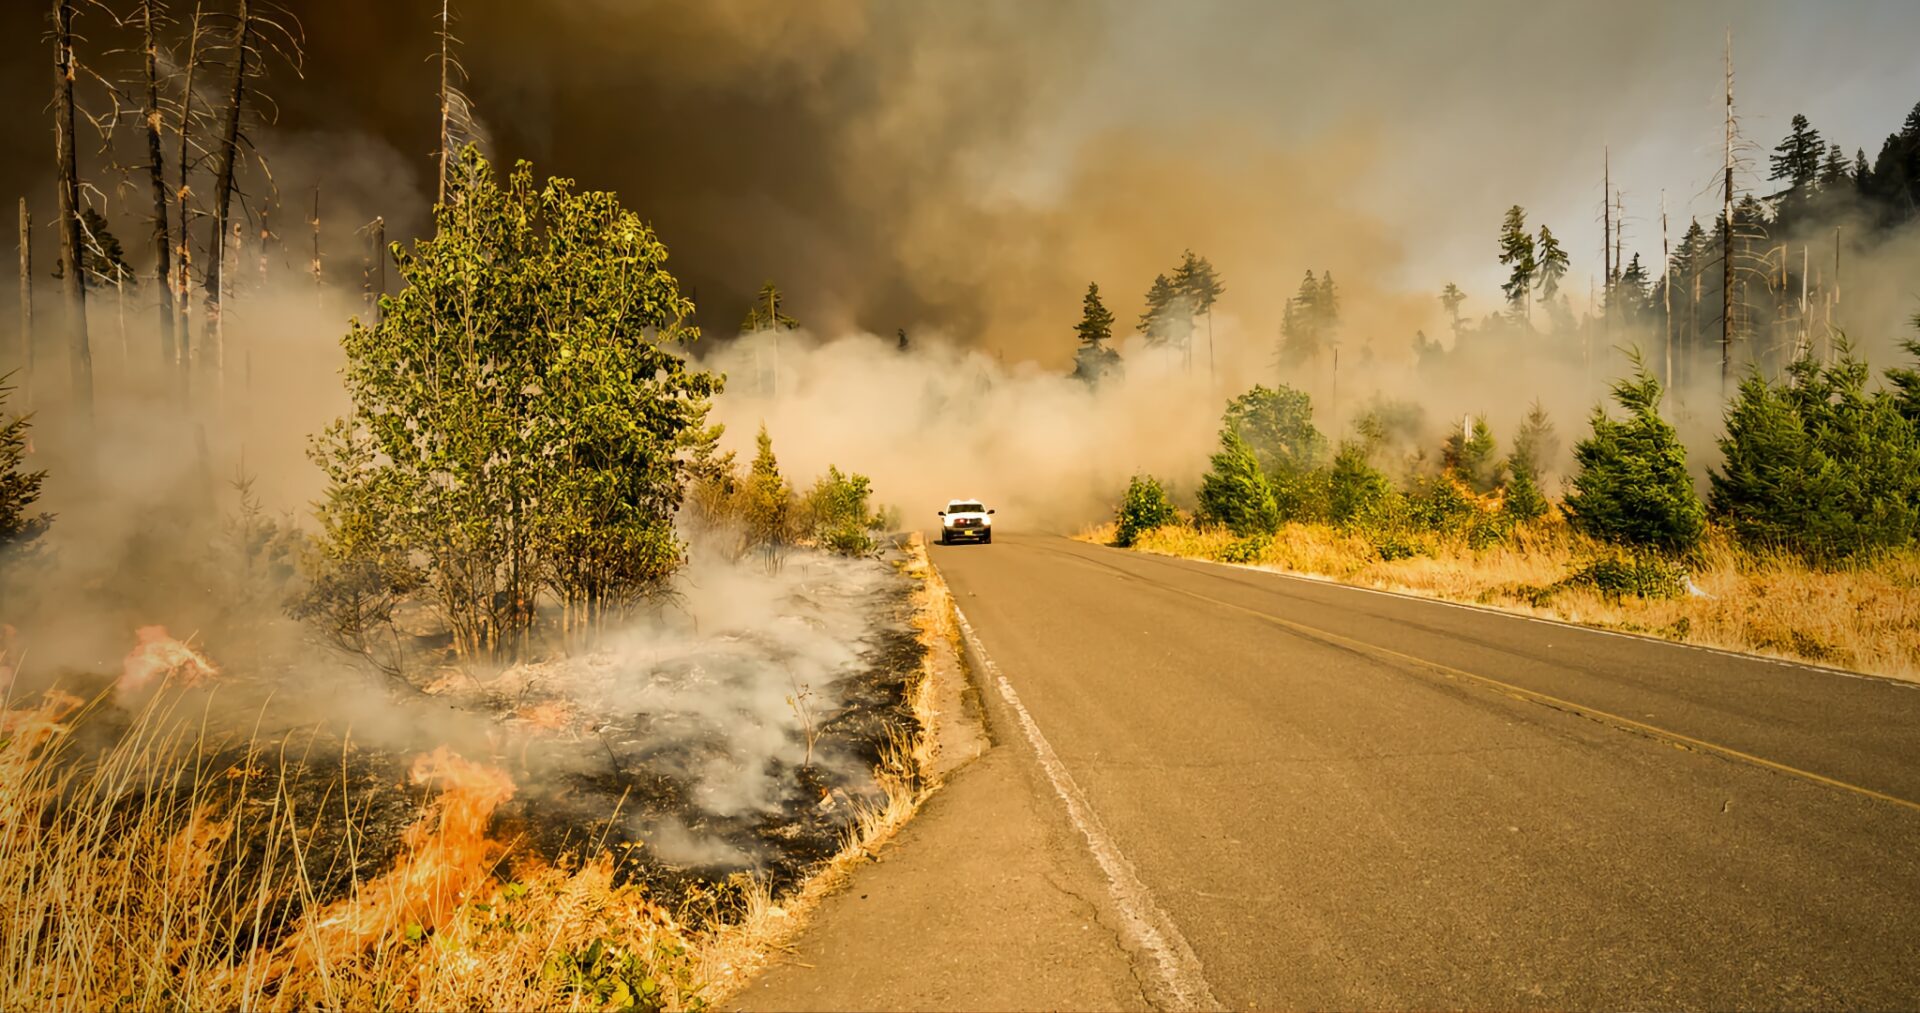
[{"x": 1550, "y": 700}]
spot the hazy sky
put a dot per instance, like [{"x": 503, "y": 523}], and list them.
[
  {"x": 970, "y": 166},
  {"x": 1480, "y": 105}
]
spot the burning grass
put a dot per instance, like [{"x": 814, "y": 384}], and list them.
[
  {"x": 1865, "y": 618},
  {"x": 145, "y": 861}
]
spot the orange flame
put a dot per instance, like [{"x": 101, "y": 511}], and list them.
[
  {"x": 448, "y": 856},
  {"x": 157, "y": 656}
]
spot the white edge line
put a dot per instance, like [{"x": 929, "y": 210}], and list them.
[
  {"x": 1543, "y": 620},
  {"x": 1151, "y": 928}
]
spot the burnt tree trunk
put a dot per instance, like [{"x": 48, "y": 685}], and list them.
[
  {"x": 156, "y": 173},
  {"x": 229, "y": 156},
  {"x": 26, "y": 302},
  {"x": 183, "y": 269},
  {"x": 71, "y": 281}
]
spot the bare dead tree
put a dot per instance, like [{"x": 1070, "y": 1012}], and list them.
[
  {"x": 26, "y": 302},
  {"x": 379, "y": 264},
  {"x": 254, "y": 32},
  {"x": 456, "y": 111},
  {"x": 1726, "y": 237},
  {"x": 150, "y": 20},
  {"x": 72, "y": 283},
  {"x": 228, "y": 157},
  {"x": 183, "y": 273},
  {"x": 319, "y": 283}
]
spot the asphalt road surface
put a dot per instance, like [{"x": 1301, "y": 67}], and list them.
[{"x": 1217, "y": 787}]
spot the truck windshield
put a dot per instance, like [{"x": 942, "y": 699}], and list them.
[{"x": 966, "y": 508}]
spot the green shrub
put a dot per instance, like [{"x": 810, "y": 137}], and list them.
[
  {"x": 1641, "y": 574},
  {"x": 1438, "y": 504},
  {"x": 1488, "y": 527},
  {"x": 1392, "y": 545},
  {"x": 1355, "y": 485},
  {"x": 1247, "y": 550},
  {"x": 1631, "y": 485},
  {"x": 1815, "y": 464},
  {"x": 838, "y": 514},
  {"x": 1145, "y": 507},
  {"x": 1235, "y": 493}
]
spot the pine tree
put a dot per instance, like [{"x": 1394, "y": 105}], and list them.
[
  {"x": 1834, "y": 173},
  {"x": 1450, "y": 299},
  {"x": 1517, "y": 253},
  {"x": 1631, "y": 292},
  {"x": 766, "y": 313},
  {"x": 901, "y": 345},
  {"x": 1093, "y": 361},
  {"x": 1096, "y": 321},
  {"x": 1355, "y": 486},
  {"x": 1906, "y": 381},
  {"x": 1553, "y": 264},
  {"x": 1200, "y": 287},
  {"x": 1235, "y": 493},
  {"x": 1307, "y": 325},
  {"x": 1815, "y": 464},
  {"x": 1159, "y": 324},
  {"x": 1534, "y": 447},
  {"x": 19, "y": 488},
  {"x": 769, "y": 501},
  {"x": 1796, "y": 158},
  {"x": 1472, "y": 459},
  {"x": 1630, "y": 484},
  {"x": 103, "y": 261}
]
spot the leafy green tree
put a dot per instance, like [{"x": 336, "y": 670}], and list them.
[
  {"x": 1145, "y": 506},
  {"x": 1517, "y": 253},
  {"x": 1796, "y": 158},
  {"x": 1816, "y": 464},
  {"x": 1277, "y": 424},
  {"x": 1473, "y": 458},
  {"x": 519, "y": 411},
  {"x": 1630, "y": 485},
  {"x": 839, "y": 514},
  {"x": 766, "y": 313},
  {"x": 359, "y": 568},
  {"x": 19, "y": 487},
  {"x": 1235, "y": 493},
  {"x": 1553, "y": 264}
]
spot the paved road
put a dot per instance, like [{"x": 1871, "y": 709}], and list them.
[{"x": 1291, "y": 794}]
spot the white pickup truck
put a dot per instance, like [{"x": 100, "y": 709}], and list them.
[{"x": 964, "y": 520}]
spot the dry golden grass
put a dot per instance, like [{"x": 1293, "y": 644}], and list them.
[
  {"x": 1866, "y": 619},
  {"x": 120, "y": 884}
]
